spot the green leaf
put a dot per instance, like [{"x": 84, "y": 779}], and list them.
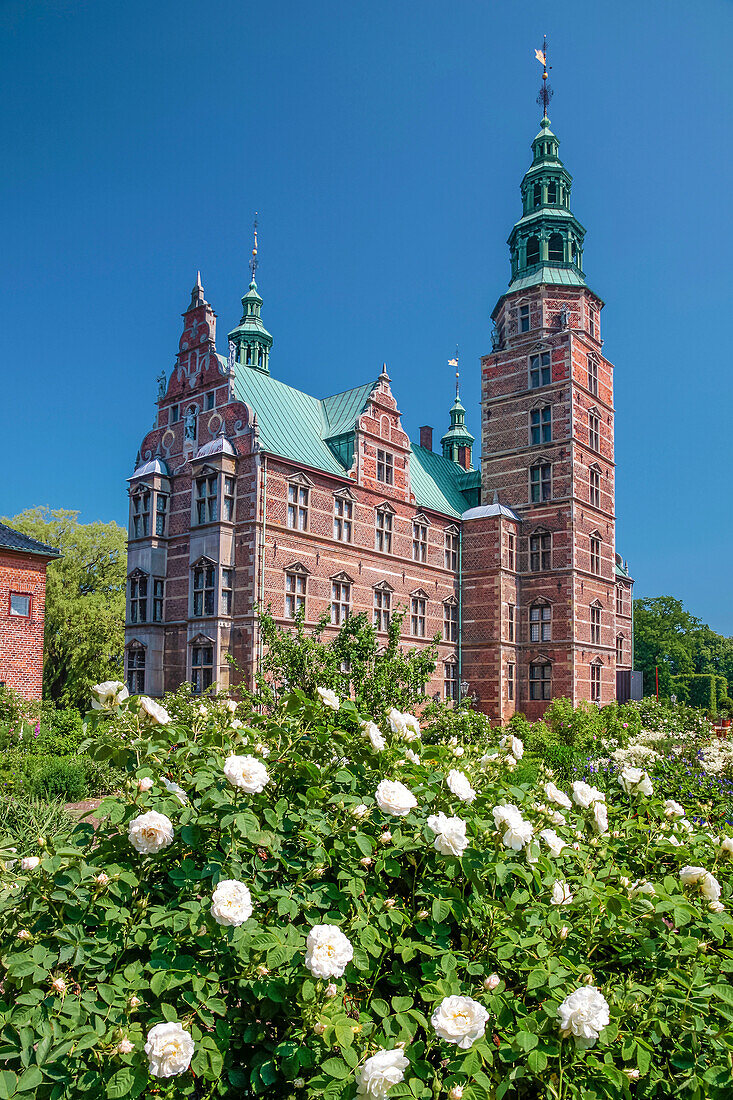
[
  {"x": 440, "y": 910},
  {"x": 8, "y": 1081},
  {"x": 31, "y": 1079},
  {"x": 337, "y": 1068},
  {"x": 537, "y": 1061},
  {"x": 525, "y": 1040}
]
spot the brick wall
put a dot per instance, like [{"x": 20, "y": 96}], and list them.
[{"x": 21, "y": 639}]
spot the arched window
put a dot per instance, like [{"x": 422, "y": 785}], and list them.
[
  {"x": 552, "y": 192},
  {"x": 537, "y": 194},
  {"x": 540, "y": 680},
  {"x": 533, "y": 251},
  {"x": 556, "y": 249}
]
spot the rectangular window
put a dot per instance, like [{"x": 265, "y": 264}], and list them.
[
  {"x": 340, "y": 601},
  {"x": 540, "y": 483},
  {"x": 511, "y": 621},
  {"x": 295, "y": 586},
  {"x": 595, "y": 626},
  {"x": 20, "y": 604},
  {"x": 207, "y": 498},
  {"x": 343, "y": 511},
  {"x": 451, "y": 550},
  {"x": 540, "y": 623},
  {"x": 594, "y": 432},
  {"x": 593, "y": 375},
  {"x": 450, "y": 680},
  {"x": 450, "y": 622},
  {"x": 510, "y": 681},
  {"x": 158, "y": 601},
  {"x": 298, "y": 507},
  {"x": 227, "y": 591},
  {"x": 595, "y": 683},
  {"x": 174, "y": 414},
  {"x": 382, "y": 608},
  {"x": 595, "y": 488},
  {"x": 540, "y": 681},
  {"x": 592, "y": 323},
  {"x": 540, "y": 552},
  {"x": 138, "y": 599},
  {"x": 524, "y": 318},
  {"x": 541, "y": 425},
  {"x": 383, "y": 534},
  {"x": 385, "y": 467},
  {"x": 136, "y": 671},
  {"x": 619, "y": 650},
  {"x": 595, "y": 556},
  {"x": 141, "y": 515},
  {"x": 202, "y": 668},
  {"x": 512, "y": 562},
  {"x": 417, "y": 616},
  {"x": 419, "y": 542},
  {"x": 204, "y": 590},
  {"x": 210, "y": 400},
  {"x": 619, "y": 600},
  {"x": 540, "y": 373},
  {"x": 161, "y": 508},
  {"x": 229, "y": 487}
]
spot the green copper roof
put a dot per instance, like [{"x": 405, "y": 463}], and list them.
[
  {"x": 438, "y": 483},
  {"x": 342, "y": 409},
  {"x": 545, "y": 273}
]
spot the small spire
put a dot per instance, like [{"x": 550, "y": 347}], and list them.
[
  {"x": 197, "y": 294},
  {"x": 546, "y": 93},
  {"x": 454, "y": 363},
  {"x": 496, "y": 496},
  {"x": 253, "y": 262},
  {"x": 384, "y": 376}
]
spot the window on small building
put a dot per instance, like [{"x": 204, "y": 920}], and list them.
[
  {"x": 511, "y": 622},
  {"x": 540, "y": 425},
  {"x": 450, "y": 621},
  {"x": 227, "y": 591},
  {"x": 385, "y": 467},
  {"x": 594, "y": 431},
  {"x": 202, "y": 668},
  {"x": 533, "y": 251},
  {"x": 229, "y": 489},
  {"x": 556, "y": 249},
  {"x": 595, "y": 486},
  {"x": 451, "y": 550},
  {"x": 20, "y": 605},
  {"x": 295, "y": 592},
  {"x": 141, "y": 515},
  {"x": 340, "y": 601},
  {"x": 540, "y": 552},
  {"x": 383, "y": 532},
  {"x": 210, "y": 400},
  {"x": 595, "y": 683},
  {"x": 620, "y": 649},
  {"x": 595, "y": 555},
  {"x": 204, "y": 590},
  {"x": 136, "y": 670},
  {"x": 382, "y": 608},
  {"x": 418, "y": 610},
  {"x": 593, "y": 375},
  {"x": 450, "y": 680},
  {"x": 595, "y": 624},
  {"x": 524, "y": 318},
  {"x": 343, "y": 510},
  {"x": 540, "y": 373},
  {"x": 540, "y": 482},
  {"x": 552, "y": 192},
  {"x": 139, "y": 598},
  {"x": 510, "y": 681},
  {"x": 512, "y": 552},
  {"x": 158, "y": 589},
  {"x": 419, "y": 541},
  {"x": 619, "y": 600},
  {"x": 161, "y": 509},
  {"x": 540, "y": 623},
  {"x": 540, "y": 680},
  {"x": 298, "y": 507},
  {"x": 207, "y": 498}
]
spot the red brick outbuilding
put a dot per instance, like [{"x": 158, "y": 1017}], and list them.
[{"x": 23, "y": 562}]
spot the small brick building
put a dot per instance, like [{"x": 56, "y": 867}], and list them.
[
  {"x": 249, "y": 492},
  {"x": 23, "y": 562}
]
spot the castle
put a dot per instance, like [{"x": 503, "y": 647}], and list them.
[{"x": 251, "y": 493}]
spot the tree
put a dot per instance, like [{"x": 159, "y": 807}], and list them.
[
  {"x": 85, "y": 601},
  {"x": 668, "y": 638}
]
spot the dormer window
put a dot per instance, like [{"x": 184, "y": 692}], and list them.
[
  {"x": 385, "y": 467},
  {"x": 298, "y": 500}
]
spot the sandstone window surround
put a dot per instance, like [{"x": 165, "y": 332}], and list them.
[
  {"x": 385, "y": 467},
  {"x": 620, "y": 649},
  {"x": 212, "y": 589},
  {"x": 540, "y": 370},
  {"x": 298, "y": 504},
  {"x": 418, "y": 613},
  {"x": 138, "y": 582},
  {"x": 512, "y": 552},
  {"x": 206, "y": 500},
  {"x": 524, "y": 317},
  {"x": 510, "y": 677},
  {"x": 384, "y": 522},
  {"x": 594, "y": 430},
  {"x": 540, "y": 621},
  {"x": 450, "y": 679},
  {"x": 511, "y": 622},
  {"x": 540, "y": 551},
  {"x": 450, "y": 619},
  {"x": 595, "y": 681},
  {"x": 382, "y": 605},
  {"x": 540, "y": 482},
  {"x": 619, "y": 599},
  {"x": 340, "y": 598},
  {"x": 540, "y": 425},
  {"x": 135, "y": 657},
  {"x": 595, "y": 623},
  {"x": 540, "y": 679},
  {"x": 202, "y": 649},
  {"x": 420, "y": 538},
  {"x": 593, "y": 375},
  {"x": 451, "y": 548},
  {"x": 140, "y": 505},
  {"x": 594, "y": 477},
  {"x": 595, "y": 541},
  {"x": 343, "y": 516},
  {"x": 296, "y": 590}
]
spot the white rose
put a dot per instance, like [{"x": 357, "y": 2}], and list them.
[
  {"x": 691, "y": 875},
  {"x": 380, "y": 1072},
  {"x": 372, "y": 731},
  {"x": 394, "y": 798},
  {"x": 125, "y": 1046},
  {"x": 459, "y": 785},
  {"x": 561, "y": 894},
  {"x": 450, "y": 834},
  {"x": 583, "y": 1015},
  {"x": 553, "y": 841},
  {"x": 202, "y": 711},
  {"x": 459, "y": 1020},
  {"x": 459, "y": 751},
  {"x": 716, "y": 907},
  {"x": 585, "y": 795},
  {"x": 600, "y": 817},
  {"x": 329, "y": 698},
  {"x": 518, "y": 831},
  {"x": 385, "y": 837},
  {"x": 246, "y": 772},
  {"x": 412, "y": 756},
  {"x": 641, "y": 887},
  {"x": 173, "y": 788},
  {"x": 710, "y": 887},
  {"x": 397, "y": 721},
  {"x": 673, "y": 809},
  {"x": 491, "y": 982},
  {"x": 145, "y": 783},
  {"x": 456, "y": 1093},
  {"x": 556, "y": 817},
  {"x": 512, "y": 746},
  {"x": 29, "y": 863},
  {"x": 557, "y": 796},
  {"x": 727, "y": 845},
  {"x": 108, "y": 695},
  {"x": 169, "y": 1049},
  {"x": 102, "y": 879},
  {"x": 412, "y": 727},
  {"x": 505, "y": 813},
  {"x": 231, "y": 903},
  {"x": 59, "y": 985},
  {"x": 149, "y": 833},
  {"x": 488, "y": 758},
  {"x": 635, "y": 781},
  {"x": 673, "y": 841},
  {"x": 361, "y": 810},
  {"x": 328, "y": 951},
  {"x": 153, "y": 711},
  {"x": 231, "y": 705}
]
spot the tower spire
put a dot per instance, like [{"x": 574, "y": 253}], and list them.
[
  {"x": 457, "y": 443},
  {"x": 253, "y": 261},
  {"x": 250, "y": 339},
  {"x": 545, "y": 94}
]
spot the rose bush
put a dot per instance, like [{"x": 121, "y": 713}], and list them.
[{"x": 345, "y": 921}]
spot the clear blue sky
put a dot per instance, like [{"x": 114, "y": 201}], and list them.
[{"x": 383, "y": 144}]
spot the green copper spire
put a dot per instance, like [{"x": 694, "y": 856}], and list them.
[
  {"x": 546, "y": 244},
  {"x": 251, "y": 340},
  {"x": 458, "y": 441}
]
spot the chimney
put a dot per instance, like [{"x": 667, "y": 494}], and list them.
[
  {"x": 426, "y": 437},
  {"x": 464, "y": 457}
]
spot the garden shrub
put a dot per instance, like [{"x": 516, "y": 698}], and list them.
[
  {"x": 700, "y": 690},
  {"x": 190, "y": 929},
  {"x": 57, "y": 778},
  {"x": 23, "y": 819}
]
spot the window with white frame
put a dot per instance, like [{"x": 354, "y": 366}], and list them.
[
  {"x": 139, "y": 598},
  {"x": 510, "y": 674},
  {"x": 540, "y": 680},
  {"x": 20, "y": 605},
  {"x": 419, "y": 541},
  {"x": 343, "y": 518},
  {"x": 593, "y": 375},
  {"x": 540, "y": 482},
  {"x": 595, "y": 683},
  {"x": 540, "y": 371},
  {"x": 382, "y": 606},
  {"x": 418, "y": 614},
  {"x": 540, "y": 552},
  {"x": 141, "y": 514},
  {"x": 595, "y": 486},
  {"x": 340, "y": 601},
  {"x": 136, "y": 669},
  {"x": 620, "y": 649},
  {"x": 592, "y": 322},
  {"x": 619, "y": 599},
  {"x": 450, "y": 620},
  {"x": 595, "y": 555},
  {"x": 298, "y": 499},
  {"x": 540, "y": 425},
  {"x": 202, "y": 668},
  {"x": 385, "y": 467},
  {"x": 451, "y": 549},
  {"x": 204, "y": 590},
  {"x": 540, "y": 622},
  {"x": 161, "y": 511},
  {"x": 594, "y": 431},
  {"x": 207, "y": 498},
  {"x": 229, "y": 489},
  {"x": 595, "y": 624},
  {"x": 383, "y": 530},
  {"x": 296, "y": 581},
  {"x": 511, "y": 622},
  {"x": 450, "y": 680},
  {"x": 512, "y": 552}
]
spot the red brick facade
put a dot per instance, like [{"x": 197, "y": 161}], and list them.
[{"x": 22, "y": 584}]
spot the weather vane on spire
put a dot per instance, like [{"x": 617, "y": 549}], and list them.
[
  {"x": 545, "y": 91},
  {"x": 454, "y": 363},
  {"x": 253, "y": 261}
]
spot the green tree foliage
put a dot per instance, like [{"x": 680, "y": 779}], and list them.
[
  {"x": 85, "y": 601},
  {"x": 667, "y": 636}
]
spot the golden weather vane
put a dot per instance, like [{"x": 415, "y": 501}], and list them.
[
  {"x": 545, "y": 91},
  {"x": 253, "y": 261}
]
